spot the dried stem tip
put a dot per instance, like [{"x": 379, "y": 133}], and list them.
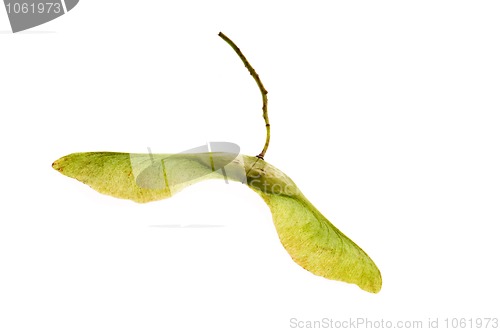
[{"x": 263, "y": 91}]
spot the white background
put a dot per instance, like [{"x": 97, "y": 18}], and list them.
[{"x": 385, "y": 113}]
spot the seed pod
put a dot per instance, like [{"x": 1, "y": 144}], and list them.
[{"x": 310, "y": 239}]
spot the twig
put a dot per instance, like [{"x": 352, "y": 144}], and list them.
[{"x": 263, "y": 91}]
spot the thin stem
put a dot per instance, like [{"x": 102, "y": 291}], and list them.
[{"x": 263, "y": 91}]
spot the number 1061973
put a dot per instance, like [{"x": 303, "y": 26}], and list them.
[{"x": 32, "y": 8}]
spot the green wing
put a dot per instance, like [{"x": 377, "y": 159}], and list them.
[
  {"x": 310, "y": 239},
  {"x": 142, "y": 177},
  {"x": 318, "y": 246},
  {"x": 109, "y": 173}
]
